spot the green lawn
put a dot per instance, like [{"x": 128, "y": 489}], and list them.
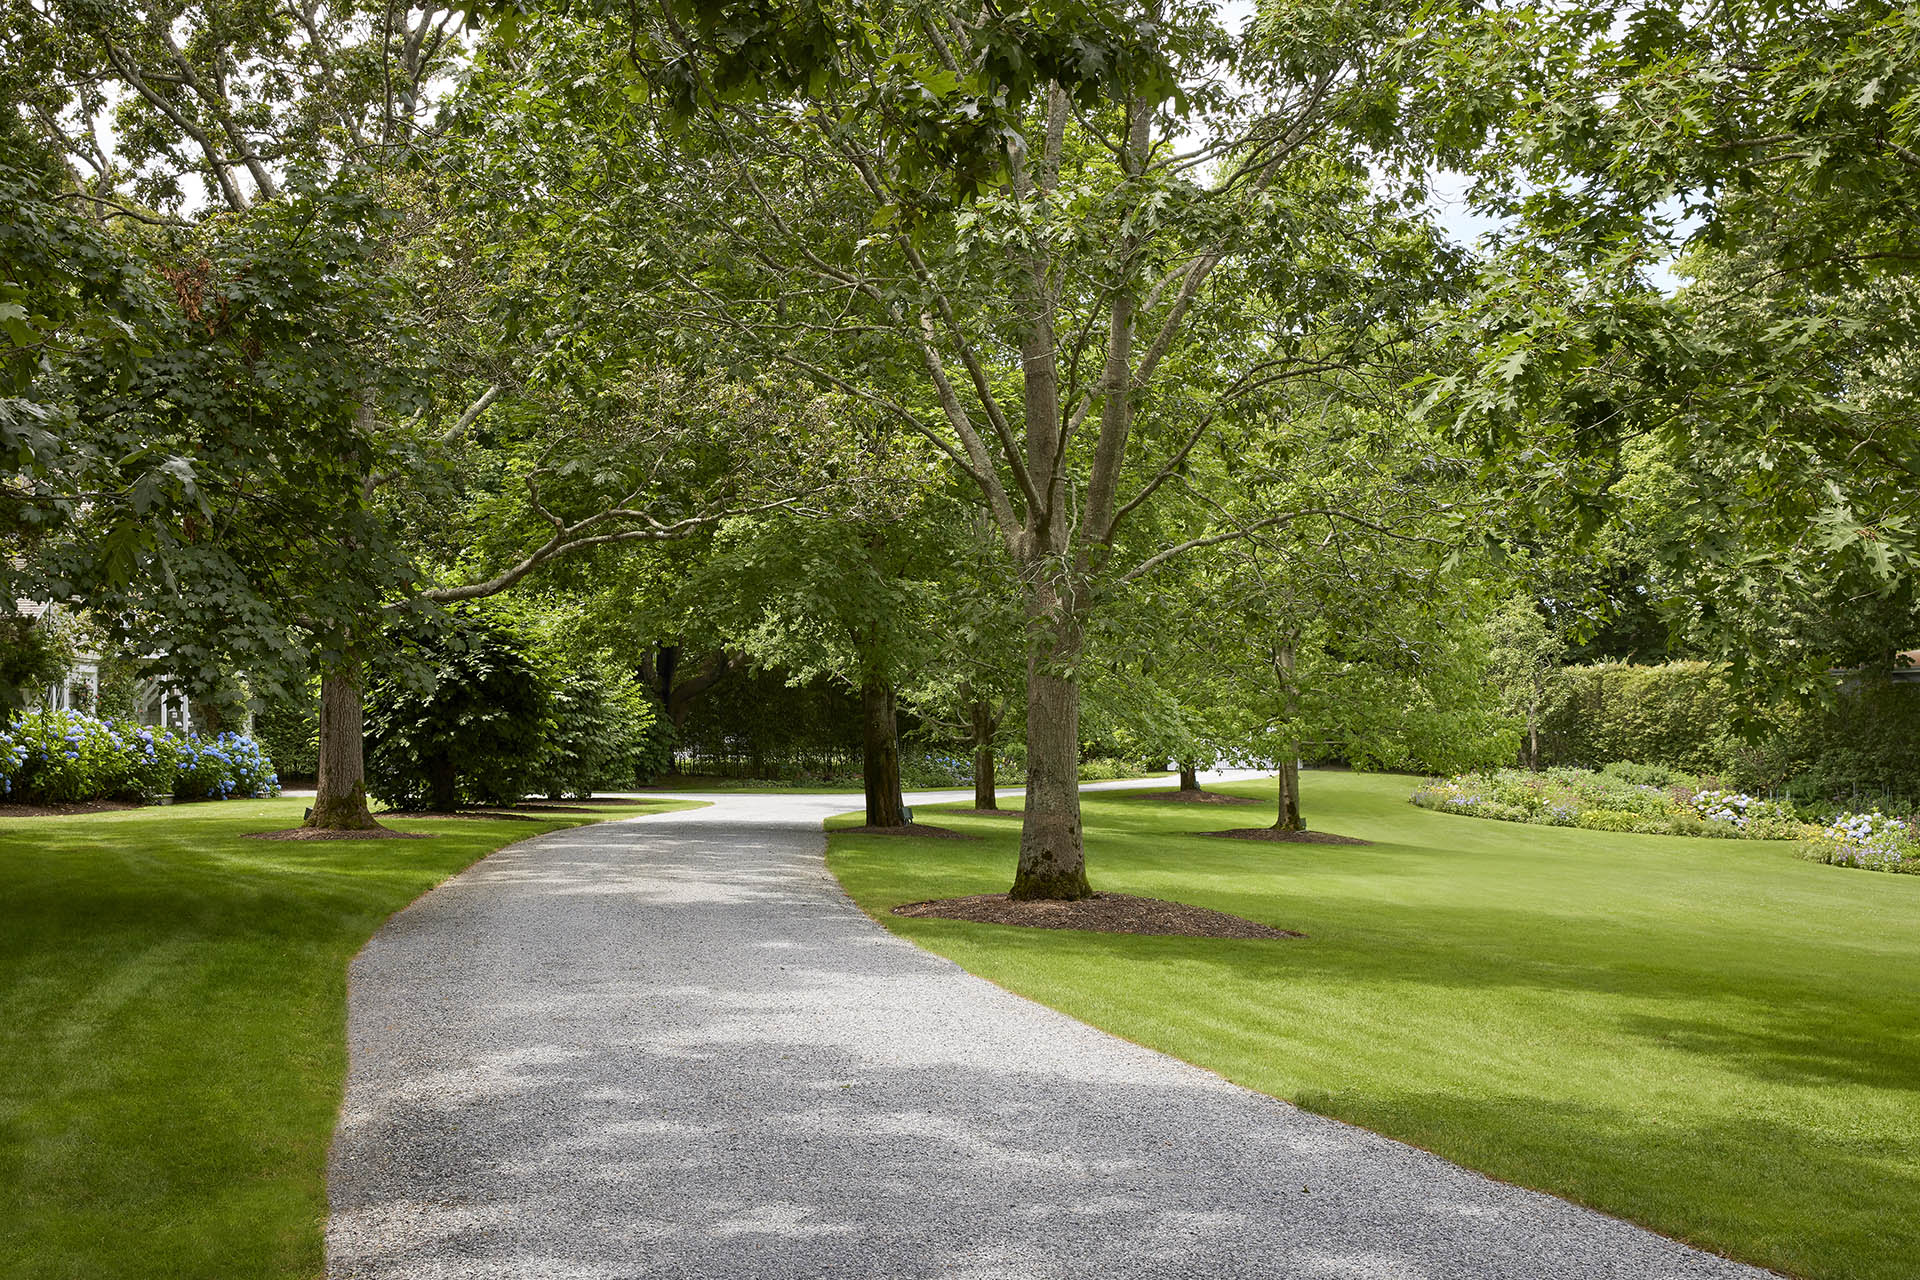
[
  {"x": 172, "y": 1021},
  {"x": 1709, "y": 1037}
]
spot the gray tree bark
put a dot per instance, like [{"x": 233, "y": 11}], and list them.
[
  {"x": 1053, "y": 862},
  {"x": 340, "y": 802},
  {"x": 1288, "y": 818}
]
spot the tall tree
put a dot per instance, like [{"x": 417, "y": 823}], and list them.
[
  {"x": 1028, "y": 236},
  {"x": 249, "y": 126}
]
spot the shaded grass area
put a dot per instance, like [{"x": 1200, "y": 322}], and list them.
[
  {"x": 172, "y": 1028},
  {"x": 1712, "y": 1038}
]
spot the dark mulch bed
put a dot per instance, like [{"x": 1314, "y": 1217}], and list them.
[
  {"x": 61, "y": 810},
  {"x": 1102, "y": 913},
  {"x": 577, "y": 805},
  {"x": 1284, "y": 837},
  {"x": 911, "y": 829},
  {"x": 1199, "y": 797},
  {"x": 320, "y": 833}
]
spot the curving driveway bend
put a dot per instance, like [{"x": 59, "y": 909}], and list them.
[{"x": 671, "y": 1047}]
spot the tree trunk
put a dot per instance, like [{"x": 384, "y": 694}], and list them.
[
  {"x": 1289, "y": 816},
  {"x": 341, "y": 800},
  {"x": 880, "y": 755},
  {"x": 1053, "y": 860},
  {"x": 983, "y": 767},
  {"x": 1533, "y": 736},
  {"x": 445, "y": 797},
  {"x": 1189, "y": 776}
]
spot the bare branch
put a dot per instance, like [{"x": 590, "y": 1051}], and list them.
[{"x": 576, "y": 537}]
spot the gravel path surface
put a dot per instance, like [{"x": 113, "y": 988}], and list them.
[{"x": 672, "y": 1047}]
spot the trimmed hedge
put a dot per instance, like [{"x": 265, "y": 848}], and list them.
[
  {"x": 1682, "y": 715},
  {"x": 1675, "y": 715}
]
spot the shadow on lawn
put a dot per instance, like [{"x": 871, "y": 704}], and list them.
[
  {"x": 1807, "y": 1200},
  {"x": 1748, "y": 1022}
]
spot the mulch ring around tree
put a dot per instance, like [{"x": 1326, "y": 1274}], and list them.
[
  {"x": 1283, "y": 837},
  {"x": 1102, "y": 913},
  {"x": 62, "y": 810},
  {"x": 332, "y": 833},
  {"x": 911, "y": 829}
]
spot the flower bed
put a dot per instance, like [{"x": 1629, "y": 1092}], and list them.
[
  {"x": 1620, "y": 798},
  {"x": 62, "y": 757},
  {"x": 1869, "y": 841}
]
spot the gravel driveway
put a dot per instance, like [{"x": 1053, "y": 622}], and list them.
[{"x": 672, "y": 1047}]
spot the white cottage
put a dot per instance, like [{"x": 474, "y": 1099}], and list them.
[{"x": 157, "y": 700}]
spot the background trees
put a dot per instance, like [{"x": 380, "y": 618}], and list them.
[
  {"x": 946, "y": 343},
  {"x": 1772, "y": 395}
]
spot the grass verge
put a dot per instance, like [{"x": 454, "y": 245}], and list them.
[
  {"x": 1712, "y": 1038},
  {"x": 172, "y": 1028}
]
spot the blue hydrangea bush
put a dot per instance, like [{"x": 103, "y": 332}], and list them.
[
  {"x": 1870, "y": 841},
  {"x": 1612, "y": 799},
  {"x": 64, "y": 757}
]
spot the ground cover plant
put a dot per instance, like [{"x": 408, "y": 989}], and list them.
[
  {"x": 1641, "y": 798},
  {"x": 1712, "y": 1038},
  {"x": 172, "y": 1018}
]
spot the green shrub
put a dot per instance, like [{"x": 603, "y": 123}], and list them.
[
  {"x": 1862, "y": 749},
  {"x": 471, "y": 732},
  {"x": 1105, "y": 769},
  {"x": 935, "y": 770},
  {"x": 1645, "y": 775},
  {"x": 600, "y": 726},
  {"x": 1679, "y": 718},
  {"x": 654, "y": 755},
  {"x": 1611, "y": 820},
  {"x": 1669, "y": 715},
  {"x": 32, "y": 656}
]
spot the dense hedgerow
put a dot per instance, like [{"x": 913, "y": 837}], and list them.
[
  {"x": 1681, "y": 715},
  {"x": 61, "y": 757}
]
